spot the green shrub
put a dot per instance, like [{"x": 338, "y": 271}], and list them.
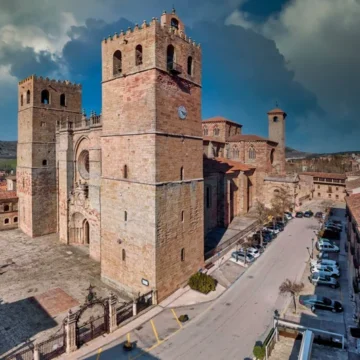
[
  {"x": 202, "y": 282},
  {"x": 259, "y": 352},
  {"x": 183, "y": 318}
]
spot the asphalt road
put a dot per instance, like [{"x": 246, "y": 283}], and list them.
[{"x": 230, "y": 328}]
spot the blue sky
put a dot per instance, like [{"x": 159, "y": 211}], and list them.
[{"x": 302, "y": 54}]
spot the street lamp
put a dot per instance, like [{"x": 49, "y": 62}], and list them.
[
  {"x": 312, "y": 248},
  {"x": 308, "y": 251}
]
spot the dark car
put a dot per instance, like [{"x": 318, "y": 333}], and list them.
[
  {"x": 329, "y": 234},
  {"x": 299, "y": 214},
  {"x": 308, "y": 214},
  {"x": 260, "y": 248},
  {"x": 319, "y": 215},
  {"x": 315, "y": 302}
]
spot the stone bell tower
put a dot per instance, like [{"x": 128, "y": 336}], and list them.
[
  {"x": 152, "y": 163},
  {"x": 42, "y": 103},
  {"x": 276, "y": 118}
]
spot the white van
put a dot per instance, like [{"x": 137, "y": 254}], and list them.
[{"x": 325, "y": 262}]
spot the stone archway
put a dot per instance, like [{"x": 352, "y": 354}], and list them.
[{"x": 79, "y": 229}]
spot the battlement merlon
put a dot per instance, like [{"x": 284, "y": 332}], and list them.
[
  {"x": 169, "y": 22},
  {"x": 47, "y": 81}
]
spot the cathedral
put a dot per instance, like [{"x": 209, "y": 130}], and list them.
[{"x": 141, "y": 184}]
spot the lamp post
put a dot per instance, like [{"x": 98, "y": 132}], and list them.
[
  {"x": 312, "y": 248},
  {"x": 308, "y": 251}
]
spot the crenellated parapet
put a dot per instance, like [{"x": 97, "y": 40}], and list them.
[
  {"x": 165, "y": 24},
  {"x": 80, "y": 123},
  {"x": 48, "y": 81}
]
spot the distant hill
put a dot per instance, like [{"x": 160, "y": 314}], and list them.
[
  {"x": 8, "y": 149},
  {"x": 292, "y": 153}
]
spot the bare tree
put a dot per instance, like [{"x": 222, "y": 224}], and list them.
[
  {"x": 293, "y": 288},
  {"x": 262, "y": 214},
  {"x": 282, "y": 200}
]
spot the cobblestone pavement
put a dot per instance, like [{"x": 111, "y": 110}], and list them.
[{"x": 40, "y": 280}]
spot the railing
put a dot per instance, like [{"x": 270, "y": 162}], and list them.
[
  {"x": 124, "y": 312},
  {"x": 26, "y": 354},
  {"x": 53, "y": 347},
  {"x": 270, "y": 342}
]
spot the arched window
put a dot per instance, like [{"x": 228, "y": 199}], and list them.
[
  {"x": 252, "y": 153},
  {"x": 138, "y": 55},
  {"x": 22, "y": 100},
  {"x": 190, "y": 65},
  {"x": 174, "y": 23},
  {"x": 216, "y": 131},
  {"x": 206, "y": 131},
  {"x": 44, "y": 162},
  {"x": 15, "y": 219},
  {"x": 45, "y": 97},
  {"x": 170, "y": 55},
  {"x": 117, "y": 62},
  {"x": 125, "y": 215},
  {"x": 235, "y": 152},
  {"x": 28, "y": 97},
  {"x": 6, "y": 207},
  {"x": 276, "y": 192},
  {"x": 182, "y": 173},
  {"x": 62, "y": 100},
  {"x": 7, "y": 221},
  {"x": 123, "y": 255},
  {"x": 182, "y": 254},
  {"x": 272, "y": 156},
  {"x": 125, "y": 172}
]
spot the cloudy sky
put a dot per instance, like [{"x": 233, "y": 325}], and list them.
[{"x": 303, "y": 54}]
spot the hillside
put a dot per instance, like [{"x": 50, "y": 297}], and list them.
[
  {"x": 292, "y": 153},
  {"x": 8, "y": 149}
]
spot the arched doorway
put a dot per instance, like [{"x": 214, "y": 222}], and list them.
[{"x": 86, "y": 232}]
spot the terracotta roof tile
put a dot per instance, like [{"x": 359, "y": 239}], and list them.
[
  {"x": 220, "y": 119},
  {"x": 225, "y": 166},
  {"x": 325, "y": 175},
  {"x": 8, "y": 195},
  {"x": 352, "y": 184},
  {"x": 213, "y": 138},
  {"x": 241, "y": 137},
  {"x": 276, "y": 111},
  {"x": 353, "y": 202}
]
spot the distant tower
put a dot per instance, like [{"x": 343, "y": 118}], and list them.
[
  {"x": 42, "y": 102},
  {"x": 276, "y": 119},
  {"x": 152, "y": 162}
]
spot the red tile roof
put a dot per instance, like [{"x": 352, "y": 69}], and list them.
[
  {"x": 353, "y": 202},
  {"x": 352, "y": 184},
  {"x": 220, "y": 119},
  {"x": 213, "y": 138},
  {"x": 276, "y": 111},
  {"x": 8, "y": 195},
  {"x": 325, "y": 175},
  {"x": 241, "y": 137},
  {"x": 225, "y": 166}
]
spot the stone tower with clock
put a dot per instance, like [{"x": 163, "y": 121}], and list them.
[{"x": 152, "y": 163}]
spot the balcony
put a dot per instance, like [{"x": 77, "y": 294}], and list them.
[{"x": 174, "y": 68}]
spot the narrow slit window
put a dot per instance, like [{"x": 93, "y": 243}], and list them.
[
  {"x": 182, "y": 216},
  {"x": 125, "y": 216},
  {"x": 62, "y": 100},
  {"x": 125, "y": 172},
  {"x": 182, "y": 173},
  {"x": 123, "y": 255},
  {"x": 190, "y": 66},
  {"x": 28, "y": 97},
  {"x": 117, "y": 62},
  {"x": 182, "y": 254},
  {"x": 22, "y": 100},
  {"x": 139, "y": 55}
]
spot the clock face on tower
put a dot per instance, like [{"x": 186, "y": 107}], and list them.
[{"x": 182, "y": 112}]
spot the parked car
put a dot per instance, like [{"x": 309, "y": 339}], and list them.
[
  {"x": 326, "y": 269},
  {"x": 252, "y": 251},
  {"x": 315, "y": 302},
  {"x": 260, "y": 248},
  {"x": 332, "y": 228},
  {"x": 266, "y": 237},
  {"x": 299, "y": 214},
  {"x": 308, "y": 214},
  {"x": 320, "y": 279},
  {"x": 329, "y": 234},
  {"x": 323, "y": 255},
  {"x": 240, "y": 256},
  {"x": 272, "y": 229},
  {"x": 288, "y": 215},
  {"x": 319, "y": 215},
  {"x": 325, "y": 262},
  {"x": 335, "y": 225},
  {"x": 324, "y": 246}
]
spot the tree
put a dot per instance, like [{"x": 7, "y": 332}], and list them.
[
  {"x": 282, "y": 200},
  {"x": 261, "y": 213},
  {"x": 245, "y": 246},
  {"x": 293, "y": 288}
]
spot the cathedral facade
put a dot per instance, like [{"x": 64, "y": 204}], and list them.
[{"x": 140, "y": 183}]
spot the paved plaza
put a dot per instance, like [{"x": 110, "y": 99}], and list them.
[{"x": 41, "y": 279}]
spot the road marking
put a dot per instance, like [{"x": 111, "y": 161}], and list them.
[
  {"x": 155, "y": 332},
  {"x": 176, "y": 318},
  {"x": 99, "y": 352}
]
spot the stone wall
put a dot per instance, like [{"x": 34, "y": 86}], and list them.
[
  {"x": 8, "y": 213},
  {"x": 329, "y": 191}
]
